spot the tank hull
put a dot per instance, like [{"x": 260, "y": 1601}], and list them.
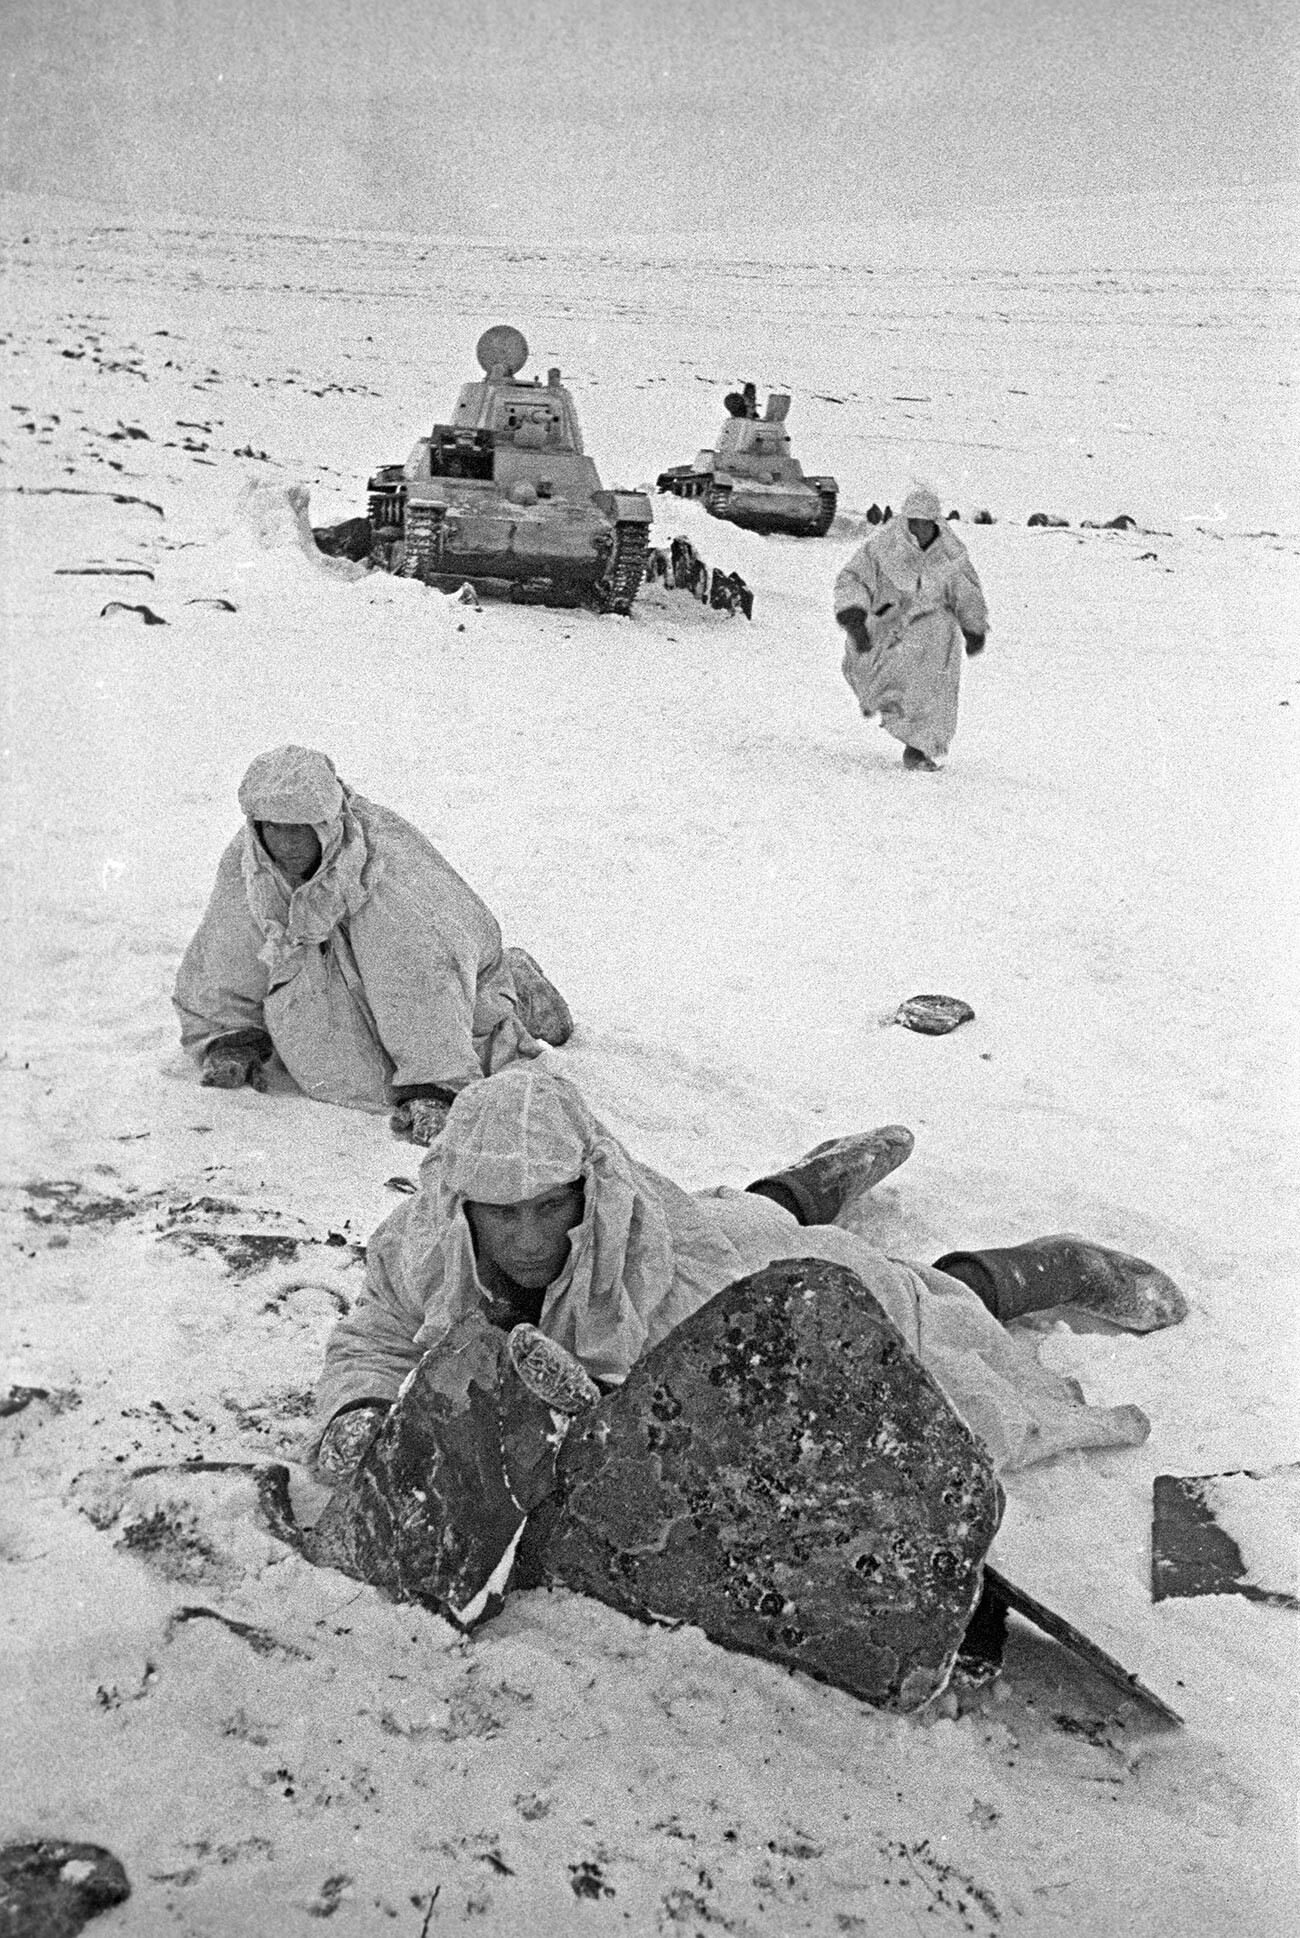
[
  {"x": 549, "y": 553},
  {"x": 804, "y": 510}
]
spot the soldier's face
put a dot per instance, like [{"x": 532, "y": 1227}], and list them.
[
  {"x": 923, "y": 530},
  {"x": 292, "y": 846},
  {"x": 528, "y": 1241}
]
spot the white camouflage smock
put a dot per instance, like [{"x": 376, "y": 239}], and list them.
[
  {"x": 917, "y": 604},
  {"x": 648, "y": 1254},
  {"x": 382, "y": 971}
]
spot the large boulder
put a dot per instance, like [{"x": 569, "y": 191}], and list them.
[{"x": 783, "y": 1473}]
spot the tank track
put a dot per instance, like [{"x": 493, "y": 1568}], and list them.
[
  {"x": 829, "y": 500},
  {"x": 420, "y": 559},
  {"x": 617, "y": 588}
]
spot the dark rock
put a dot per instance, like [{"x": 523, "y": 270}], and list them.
[
  {"x": 689, "y": 573},
  {"x": 51, "y": 1889},
  {"x": 983, "y": 517},
  {"x": 443, "y": 1490},
  {"x": 933, "y": 1015},
  {"x": 1049, "y": 519},
  {"x": 685, "y": 563},
  {"x": 1192, "y": 1555},
  {"x": 874, "y": 515},
  {"x": 350, "y": 540},
  {"x": 728, "y": 592},
  {"x": 20, "y": 1396},
  {"x": 147, "y": 613},
  {"x": 782, "y": 1472}
]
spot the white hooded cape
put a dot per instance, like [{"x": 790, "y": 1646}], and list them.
[
  {"x": 917, "y": 606},
  {"x": 383, "y": 970}
]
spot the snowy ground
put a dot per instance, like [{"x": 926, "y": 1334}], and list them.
[{"x": 734, "y": 883}]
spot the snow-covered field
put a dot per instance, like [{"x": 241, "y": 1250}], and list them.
[{"x": 734, "y": 883}]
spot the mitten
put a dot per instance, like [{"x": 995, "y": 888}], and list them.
[
  {"x": 419, "y": 1119},
  {"x": 854, "y": 622},
  {"x": 347, "y": 1436},
  {"x": 231, "y": 1061}
]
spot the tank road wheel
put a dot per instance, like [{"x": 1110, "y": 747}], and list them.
[
  {"x": 420, "y": 556},
  {"x": 618, "y": 587}
]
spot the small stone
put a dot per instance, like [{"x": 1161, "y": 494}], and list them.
[{"x": 933, "y": 1015}]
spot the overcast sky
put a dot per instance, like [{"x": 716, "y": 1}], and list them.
[{"x": 546, "y": 118}]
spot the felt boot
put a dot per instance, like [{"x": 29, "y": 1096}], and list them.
[
  {"x": 817, "y": 1187},
  {"x": 1013, "y": 1280},
  {"x": 542, "y": 1010},
  {"x": 919, "y": 762}
]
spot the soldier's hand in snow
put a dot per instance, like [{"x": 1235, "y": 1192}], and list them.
[
  {"x": 346, "y": 1438},
  {"x": 974, "y": 643},
  {"x": 419, "y": 1120},
  {"x": 227, "y": 1069}
]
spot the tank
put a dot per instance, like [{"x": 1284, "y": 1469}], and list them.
[
  {"x": 751, "y": 477},
  {"x": 505, "y": 496}
]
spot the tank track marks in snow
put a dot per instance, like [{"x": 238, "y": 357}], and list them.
[{"x": 622, "y": 577}]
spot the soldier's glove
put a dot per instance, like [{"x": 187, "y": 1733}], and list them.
[
  {"x": 419, "y": 1120},
  {"x": 854, "y": 622},
  {"x": 230, "y": 1062},
  {"x": 346, "y": 1438},
  {"x": 974, "y": 643}
]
